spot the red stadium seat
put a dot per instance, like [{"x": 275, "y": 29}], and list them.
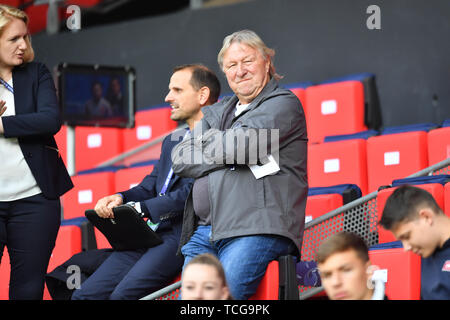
[
  {"x": 129, "y": 177},
  {"x": 68, "y": 243},
  {"x": 320, "y": 204},
  {"x": 436, "y": 189},
  {"x": 88, "y": 189},
  {"x": 334, "y": 109},
  {"x": 394, "y": 156},
  {"x": 403, "y": 272},
  {"x": 150, "y": 124},
  {"x": 338, "y": 162},
  {"x": 438, "y": 145},
  {"x": 301, "y": 95},
  {"x": 96, "y": 145},
  {"x": 148, "y": 154},
  {"x": 268, "y": 287}
]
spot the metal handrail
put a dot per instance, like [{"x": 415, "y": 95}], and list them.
[
  {"x": 162, "y": 292},
  {"x": 370, "y": 196}
]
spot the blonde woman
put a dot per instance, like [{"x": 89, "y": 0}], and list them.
[{"x": 32, "y": 174}]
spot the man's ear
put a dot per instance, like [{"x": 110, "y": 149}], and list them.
[
  {"x": 427, "y": 215},
  {"x": 204, "y": 93}
]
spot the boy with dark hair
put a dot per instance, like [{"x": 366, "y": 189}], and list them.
[
  {"x": 345, "y": 268},
  {"x": 414, "y": 217}
]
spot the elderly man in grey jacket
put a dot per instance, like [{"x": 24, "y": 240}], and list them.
[{"x": 248, "y": 157}]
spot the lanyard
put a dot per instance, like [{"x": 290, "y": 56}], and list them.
[
  {"x": 169, "y": 175},
  {"x": 166, "y": 184},
  {"x": 7, "y": 85}
]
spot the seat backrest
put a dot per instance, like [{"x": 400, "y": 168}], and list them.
[
  {"x": 127, "y": 178},
  {"x": 96, "y": 145},
  {"x": 438, "y": 145},
  {"x": 402, "y": 272},
  {"x": 338, "y": 162},
  {"x": 268, "y": 287},
  {"x": 149, "y": 124},
  {"x": 325, "y": 199},
  {"x": 88, "y": 189},
  {"x": 299, "y": 89},
  {"x": 68, "y": 242},
  {"x": 334, "y": 108},
  {"x": 88, "y": 241},
  {"x": 394, "y": 156}
]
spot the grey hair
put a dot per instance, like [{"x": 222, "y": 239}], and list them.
[{"x": 251, "y": 39}]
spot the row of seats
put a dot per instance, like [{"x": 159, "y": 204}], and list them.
[
  {"x": 335, "y": 101},
  {"x": 319, "y": 201},
  {"x": 339, "y": 106},
  {"x": 371, "y": 160},
  {"x": 402, "y": 269},
  {"x": 91, "y": 185},
  {"x": 94, "y": 145}
]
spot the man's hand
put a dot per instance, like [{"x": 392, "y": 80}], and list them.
[{"x": 104, "y": 206}]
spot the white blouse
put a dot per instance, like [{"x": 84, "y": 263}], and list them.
[{"x": 16, "y": 179}]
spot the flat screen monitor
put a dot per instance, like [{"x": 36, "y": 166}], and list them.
[{"x": 93, "y": 95}]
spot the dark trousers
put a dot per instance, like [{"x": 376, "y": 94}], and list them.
[
  {"x": 28, "y": 228},
  {"x": 131, "y": 275}
]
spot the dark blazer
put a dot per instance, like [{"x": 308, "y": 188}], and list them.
[
  {"x": 167, "y": 209},
  {"x": 37, "y": 119}
]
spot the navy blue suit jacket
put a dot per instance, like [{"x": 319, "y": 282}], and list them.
[
  {"x": 167, "y": 209},
  {"x": 37, "y": 119}
]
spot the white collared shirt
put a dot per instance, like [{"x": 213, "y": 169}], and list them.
[
  {"x": 240, "y": 108},
  {"x": 16, "y": 179}
]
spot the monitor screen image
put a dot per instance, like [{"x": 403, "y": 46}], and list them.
[{"x": 92, "y": 95}]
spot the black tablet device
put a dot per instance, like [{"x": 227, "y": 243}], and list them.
[{"x": 126, "y": 231}]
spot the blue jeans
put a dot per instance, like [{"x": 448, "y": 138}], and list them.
[{"x": 244, "y": 259}]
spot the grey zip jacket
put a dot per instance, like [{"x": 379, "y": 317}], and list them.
[{"x": 273, "y": 124}]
